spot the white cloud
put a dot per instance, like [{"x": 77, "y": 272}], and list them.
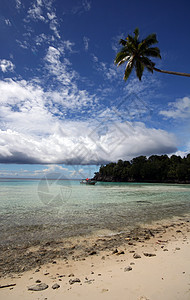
[
  {"x": 86, "y": 42},
  {"x": 14, "y": 92},
  {"x": 115, "y": 42},
  {"x": 23, "y": 44},
  {"x": 53, "y": 55},
  {"x": 42, "y": 38},
  {"x": 109, "y": 71},
  {"x": 38, "y": 172},
  {"x": 57, "y": 68},
  {"x": 94, "y": 58},
  {"x": 6, "y": 65},
  {"x": 8, "y": 22},
  {"x": 51, "y": 16},
  {"x": 83, "y": 6},
  {"x": 51, "y": 169},
  {"x": 18, "y": 4},
  {"x": 181, "y": 153},
  {"x": 54, "y": 27},
  {"x": 35, "y": 12},
  {"x": 86, "y": 4},
  {"x": 179, "y": 109},
  {"x": 44, "y": 11},
  {"x": 68, "y": 94},
  {"x": 72, "y": 143},
  {"x": 31, "y": 133}
]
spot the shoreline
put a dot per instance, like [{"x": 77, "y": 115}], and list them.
[
  {"x": 174, "y": 182},
  {"x": 106, "y": 266},
  {"x": 21, "y": 257}
]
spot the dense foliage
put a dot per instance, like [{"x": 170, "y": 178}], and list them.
[{"x": 153, "y": 169}]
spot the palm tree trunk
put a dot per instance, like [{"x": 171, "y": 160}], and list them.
[{"x": 171, "y": 72}]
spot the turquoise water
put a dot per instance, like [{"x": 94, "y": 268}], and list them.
[{"x": 34, "y": 211}]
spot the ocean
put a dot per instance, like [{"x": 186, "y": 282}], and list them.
[{"x": 32, "y": 211}]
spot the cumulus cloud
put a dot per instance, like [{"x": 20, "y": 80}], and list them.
[
  {"x": 178, "y": 110},
  {"x": 27, "y": 106},
  {"x": 6, "y": 65},
  {"x": 73, "y": 144},
  {"x": 34, "y": 129},
  {"x": 31, "y": 133}
]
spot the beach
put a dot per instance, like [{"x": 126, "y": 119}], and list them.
[{"x": 149, "y": 262}]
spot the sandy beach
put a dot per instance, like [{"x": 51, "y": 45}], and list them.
[{"x": 151, "y": 263}]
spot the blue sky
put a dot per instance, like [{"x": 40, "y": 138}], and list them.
[{"x": 64, "y": 105}]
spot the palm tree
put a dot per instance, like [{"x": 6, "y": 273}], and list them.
[{"x": 136, "y": 53}]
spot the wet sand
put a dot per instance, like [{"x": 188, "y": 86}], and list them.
[{"x": 151, "y": 262}]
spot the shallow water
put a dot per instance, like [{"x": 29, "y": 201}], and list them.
[{"x": 34, "y": 211}]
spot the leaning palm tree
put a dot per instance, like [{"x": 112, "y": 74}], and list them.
[{"x": 136, "y": 53}]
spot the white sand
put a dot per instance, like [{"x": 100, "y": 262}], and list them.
[{"x": 165, "y": 276}]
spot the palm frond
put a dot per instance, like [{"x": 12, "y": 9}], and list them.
[
  {"x": 129, "y": 68},
  {"x": 130, "y": 39},
  {"x": 148, "y": 63},
  {"x": 136, "y": 32},
  {"x": 122, "y": 42},
  {"x": 139, "y": 67},
  {"x": 150, "y": 40},
  {"x": 121, "y": 56},
  {"x": 154, "y": 52},
  {"x": 126, "y": 58}
]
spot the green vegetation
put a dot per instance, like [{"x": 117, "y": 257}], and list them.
[
  {"x": 153, "y": 169},
  {"x": 137, "y": 54}
]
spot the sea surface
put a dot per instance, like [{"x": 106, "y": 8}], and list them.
[{"x": 33, "y": 211}]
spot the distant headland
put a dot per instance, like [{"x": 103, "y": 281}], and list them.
[{"x": 155, "y": 169}]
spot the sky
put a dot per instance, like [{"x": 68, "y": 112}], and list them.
[{"x": 64, "y": 107}]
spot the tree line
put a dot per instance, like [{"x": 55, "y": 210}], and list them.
[{"x": 174, "y": 169}]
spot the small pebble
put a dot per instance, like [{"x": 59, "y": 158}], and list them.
[
  {"x": 115, "y": 251},
  {"x": 72, "y": 281},
  {"x": 38, "y": 287},
  {"x": 38, "y": 281},
  {"x": 104, "y": 290},
  {"x": 120, "y": 252},
  {"x": 135, "y": 255},
  {"x": 55, "y": 286},
  {"x": 149, "y": 254},
  {"x": 127, "y": 269},
  {"x": 37, "y": 270}
]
